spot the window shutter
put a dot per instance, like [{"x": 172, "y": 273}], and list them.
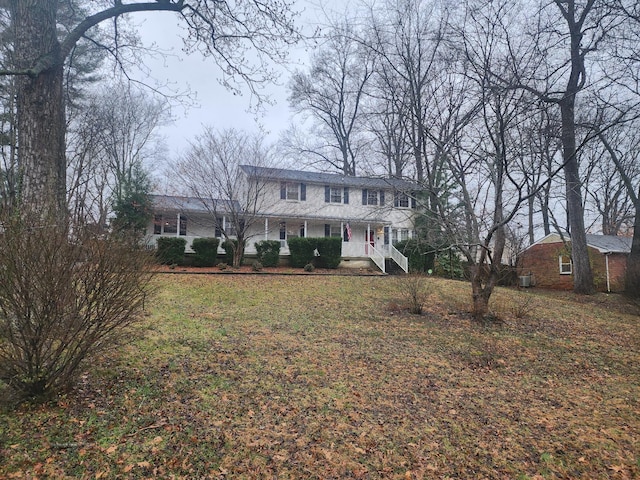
[
  {"x": 303, "y": 192},
  {"x": 157, "y": 224},
  {"x": 382, "y": 198},
  {"x": 327, "y": 230},
  {"x": 413, "y": 202},
  {"x": 386, "y": 235},
  {"x": 365, "y": 194},
  {"x": 345, "y": 199},
  {"x": 327, "y": 194},
  {"x": 218, "y": 233},
  {"x": 395, "y": 199},
  {"x": 283, "y": 191}
]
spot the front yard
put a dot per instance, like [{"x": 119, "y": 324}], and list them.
[{"x": 243, "y": 376}]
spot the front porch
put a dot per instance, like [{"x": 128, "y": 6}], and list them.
[{"x": 363, "y": 242}]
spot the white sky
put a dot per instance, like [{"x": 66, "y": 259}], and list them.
[{"x": 216, "y": 106}]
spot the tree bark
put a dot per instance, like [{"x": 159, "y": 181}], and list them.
[
  {"x": 40, "y": 105},
  {"x": 632, "y": 275},
  {"x": 582, "y": 274}
]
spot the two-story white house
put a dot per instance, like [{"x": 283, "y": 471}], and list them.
[{"x": 369, "y": 214}]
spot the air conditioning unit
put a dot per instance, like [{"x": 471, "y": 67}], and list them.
[{"x": 525, "y": 281}]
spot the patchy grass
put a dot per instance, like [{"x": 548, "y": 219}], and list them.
[{"x": 329, "y": 377}]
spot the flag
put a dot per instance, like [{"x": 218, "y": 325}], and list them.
[{"x": 348, "y": 232}]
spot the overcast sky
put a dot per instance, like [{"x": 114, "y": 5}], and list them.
[{"x": 217, "y": 106}]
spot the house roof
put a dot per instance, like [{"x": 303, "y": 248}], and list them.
[
  {"x": 602, "y": 243},
  {"x": 192, "y": 204},
  {"x": 609, "y": 243},
  {"x": 328, "y": 178}
]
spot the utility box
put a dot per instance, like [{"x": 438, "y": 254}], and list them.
[{"x": 525, "y": 281}]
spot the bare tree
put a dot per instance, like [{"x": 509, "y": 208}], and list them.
[
  {"x": 488, "y": 164},
  {"x": 554, "y": 67},
  {"x": 332, "y": 93},
  {"x": 626, "y": 161},
  {"x": 606, "y": 190},
  {"x": 110, "y": 141},
  {"x": 217, "y": 170},
  {"x": 223, "y": 31}
]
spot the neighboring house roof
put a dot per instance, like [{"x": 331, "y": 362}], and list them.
[
  {"x": 192, "y": 204},
  {"x": 283, "y": 174},
  {"x": 602, "y": 243},
  {"x": 609, "y": 243}
]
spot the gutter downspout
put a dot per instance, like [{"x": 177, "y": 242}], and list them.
[{"x": 606, "y": 261}]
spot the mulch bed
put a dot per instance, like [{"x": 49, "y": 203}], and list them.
[{"x": 248, "y": 270}]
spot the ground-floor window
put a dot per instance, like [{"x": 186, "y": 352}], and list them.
[
  {"x": 332, "y": 230},
  {"x": 565, "y": 264},
  {"x": 168, "y": 224}
]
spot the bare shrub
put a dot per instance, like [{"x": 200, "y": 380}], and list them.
[
  {"x": 515, "y": 305},
  {"x": 65, "y": 295},
  {"x": 414, "y": 292}
]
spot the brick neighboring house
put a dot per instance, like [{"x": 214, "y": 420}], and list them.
[{"x": 548, "y": 262}]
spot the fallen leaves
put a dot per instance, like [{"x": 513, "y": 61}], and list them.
[{"x": 303, "y": 377}]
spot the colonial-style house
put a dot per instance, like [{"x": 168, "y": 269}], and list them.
[
  {"x": 369, "y": 214},
  {"x": 547, "y": 262}
]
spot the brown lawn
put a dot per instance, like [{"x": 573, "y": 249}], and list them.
[{"x": 328, "y": 377}]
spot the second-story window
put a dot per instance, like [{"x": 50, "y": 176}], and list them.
[
  {"x": 401, "y": 200},
  {"x": 336, "y": 194},
  {"x": 372, "y": 197},
  {"x": 293, "y": 191}
]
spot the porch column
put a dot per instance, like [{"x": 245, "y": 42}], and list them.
[
  {"x": 266, "y": 229},
  {"x": 305, "y": 229},
  {"x": 178, "y": 226}
]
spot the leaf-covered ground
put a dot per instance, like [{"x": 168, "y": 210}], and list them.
[{"x": 293, "y": 377}]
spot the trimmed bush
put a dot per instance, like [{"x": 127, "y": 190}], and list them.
[
  {"x": 301, "y": 250},
  {"x": 256, "y": 267},
  {"x": 309, "y": 267},
  {"x": 206, "y": 251},
  {"x": 268, "y": 252},
  {"x": 330, "y": 249},
  {"x": 171, "y": 250}
]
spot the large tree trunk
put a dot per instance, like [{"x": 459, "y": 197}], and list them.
[
  {"x": 40, "y": 105},
  {"x": 582, "y": 275},
  {"x": 632, "y": 276}
]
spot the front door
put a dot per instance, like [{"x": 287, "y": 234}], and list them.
[{"x": 369, "y": 239}]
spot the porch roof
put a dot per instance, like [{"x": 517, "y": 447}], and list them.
[
  {"x": 325, "y": 219},
  {"x": 192, "y": 204}
]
